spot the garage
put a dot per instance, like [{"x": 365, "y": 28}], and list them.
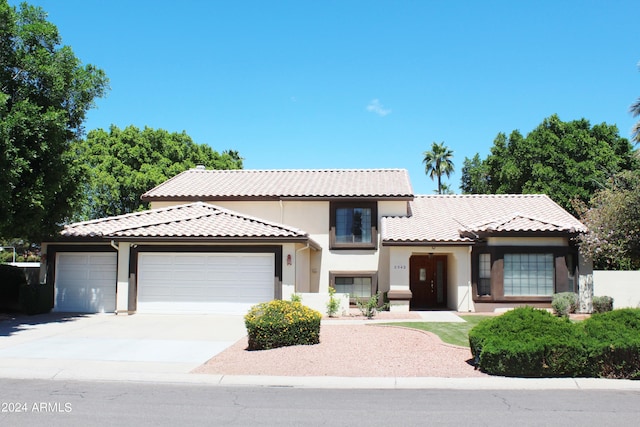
[
  {"x": 85, "y": 282},
  {"x": 204, "y": 282}
]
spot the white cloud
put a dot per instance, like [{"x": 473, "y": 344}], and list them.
[{"x": 376, "y": 107}]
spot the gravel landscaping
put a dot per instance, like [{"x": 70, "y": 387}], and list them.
[{"x": 370, "y": 350}]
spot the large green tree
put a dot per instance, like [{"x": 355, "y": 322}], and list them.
[
  {"x": 124, "y": 164},
  {"x": 45, "y": 92},
  {"x": 475, "y": 175},
  {"x": 613, "y": 219},
  {"x": 565, "y": 160},
  {"x": 437, "y": 162}
]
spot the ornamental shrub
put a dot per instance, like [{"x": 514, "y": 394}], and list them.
[
  {"x": 564, "y": 303},
  {"x": 333, "y": 305},
  {"x": 282, "y": 323},
  {"x": 614, "y": 344},
  {"x": 11, "y": 278},
  {"x": 528, "y": 342},
  {"x": 602, "y": 304}
]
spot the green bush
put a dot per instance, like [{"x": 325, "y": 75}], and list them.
[
  {"x": 370, "y": 306},
  {"x": 36, "y": 299},
  {"x": 602, "y": 304},
  {"x": 564, "y": 303},
  {"x": 11, "y": 278},
  {"x": 333, "y": 305},
  {"x": 527, "y": 342},
  {"x": 282, "y": 323},
  {"x": 614, "y": 344}
]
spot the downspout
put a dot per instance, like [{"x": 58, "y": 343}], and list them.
[
  {"x": 470, "y": 288},
  {"x": 114, "y": 246},
  {"x": 281, "y": 212}
]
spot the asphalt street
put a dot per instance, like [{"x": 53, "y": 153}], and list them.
[{"x": 83, "y": 403}]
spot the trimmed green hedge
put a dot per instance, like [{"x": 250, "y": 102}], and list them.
[
  {"x": 614, "y": 344},
  {"x": 36, "y": 299},
  {"x": 528, "y": 342},
  {"x": 11, "y": 279},
  {"x": 282, "y": 323}
]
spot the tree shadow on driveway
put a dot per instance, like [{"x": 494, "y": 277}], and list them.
[{"x": 12, "y": 323}]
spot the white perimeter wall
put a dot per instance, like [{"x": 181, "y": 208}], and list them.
[{"x": 622, "y": 286}]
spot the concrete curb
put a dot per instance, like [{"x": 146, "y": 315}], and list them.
[{"x": 492, "y": 383}]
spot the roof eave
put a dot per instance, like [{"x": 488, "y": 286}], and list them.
[
  {"x": 268, "y": 198},
  {"x": 426, "y": 243},
  {"x": 547, "y": 233}
]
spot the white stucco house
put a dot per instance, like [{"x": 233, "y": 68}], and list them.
[{"x": 221, "y": 241}]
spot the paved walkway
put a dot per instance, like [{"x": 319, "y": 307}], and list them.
[
  {"x": 386, "y": 317},
  {"x": 165, "y": 348}
]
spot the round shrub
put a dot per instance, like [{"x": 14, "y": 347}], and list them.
[
  {"x": 602, "y": 304},
  {"x": 528, "y": 342},
  {"x": 613, "y": 343},
  {"x": 282, "y": 323},
  {"x": 564, "y": 303}
]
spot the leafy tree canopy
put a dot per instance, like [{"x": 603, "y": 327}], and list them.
[
  {"x": 613, "y": 219},
  {"x": 124, "y": 164},
  {"x": 565, "y": 160},
  {"x": 45, "y": 93}
]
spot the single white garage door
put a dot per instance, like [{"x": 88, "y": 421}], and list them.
[
  {"x": 85, "y": 282},
  {"x": 204, "y": 282}
]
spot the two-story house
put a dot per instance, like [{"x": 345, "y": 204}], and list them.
[{"x": 221, "y": 241}]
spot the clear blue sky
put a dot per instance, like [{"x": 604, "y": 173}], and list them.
[{"x": 355, "y": 84}]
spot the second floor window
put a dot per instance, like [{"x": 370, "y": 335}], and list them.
[{"x": 353, "y": 225}]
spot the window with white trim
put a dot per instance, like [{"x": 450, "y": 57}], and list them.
[{"x": 528, "y": 274}]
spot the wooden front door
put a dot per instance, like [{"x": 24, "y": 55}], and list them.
[{"x": 428, "y": 281}]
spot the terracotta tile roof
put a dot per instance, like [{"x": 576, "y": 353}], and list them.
[
  {"x": 201, "y": 184},
  {"x": 194, "y": 220},
  {"x": 459, "y": 218}
]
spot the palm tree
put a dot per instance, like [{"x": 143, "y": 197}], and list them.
[
  {"x": 635, "y": 111},
  {"x": 438, "y": 162},
  {"x": 635, "y": 131}
]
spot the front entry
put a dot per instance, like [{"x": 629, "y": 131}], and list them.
[{"x": 428, "y": 281}]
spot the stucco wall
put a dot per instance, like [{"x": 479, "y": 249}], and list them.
[
  {"x": 313, "y": 218},
  {"x": 458, "y": 272},
  {"x": 622, "y": 286}
]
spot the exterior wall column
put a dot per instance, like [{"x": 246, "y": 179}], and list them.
[
  {"x": 289, "y": 262},
  {"x": 585, "y": 284},
  {"x": 399, "y": 290},
  {"x": 122, "y": 285}
]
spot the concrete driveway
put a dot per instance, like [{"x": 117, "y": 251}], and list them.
[{"x": 105, "y": 345}]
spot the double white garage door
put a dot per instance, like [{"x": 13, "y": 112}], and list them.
[{"x": 167, "y": 282}]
